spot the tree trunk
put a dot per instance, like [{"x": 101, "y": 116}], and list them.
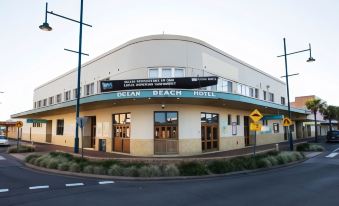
[
  {"x": 316, "y": 127},
  {"x": 330, "y": 120}
]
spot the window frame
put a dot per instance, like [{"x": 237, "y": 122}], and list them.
[{"x": 60, "y": 127}]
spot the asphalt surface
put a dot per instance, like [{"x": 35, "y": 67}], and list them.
[{"x": 313, "y": 182}]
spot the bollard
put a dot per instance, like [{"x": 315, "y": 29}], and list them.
[{"x": 277, "y": 147}]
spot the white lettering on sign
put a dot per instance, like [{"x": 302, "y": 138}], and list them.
[
  {"x": 204, "y": 93},
  {"x": 167, "y": 93},
  {"x": 128, "y": 94}
]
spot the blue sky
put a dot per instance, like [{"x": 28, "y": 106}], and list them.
[{"x": 250, "y": 30}]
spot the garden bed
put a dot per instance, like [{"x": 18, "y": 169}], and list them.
[
  {"x": 21, "y": 149},
  {"x": 310, "y": 147},
  {"x": 67, "y": 162}
]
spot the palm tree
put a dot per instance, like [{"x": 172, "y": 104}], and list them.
[
  {"x": 315, "y": 105},
  {"x": 329, "y": 113}
]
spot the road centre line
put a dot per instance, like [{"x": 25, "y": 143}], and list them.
[
  {"x": 39, "y": 187},
  {"x": 75, "y": 184},
  {"x": 106, "y": 182},
  {"x": 333, "y": 154},
  {"x": 4, "y": 190}
]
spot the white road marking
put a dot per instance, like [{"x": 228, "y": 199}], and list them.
[
  {"x": 336, "y": 150},
  {"x": 106, "y": 182},
  {"x": 75, "y": 184},
  {"x": 4, "y": 190},
  {"x": 39, "y": 187},
  {"x": 333, "y": 154},
  {"x": 2, "y": 158}
]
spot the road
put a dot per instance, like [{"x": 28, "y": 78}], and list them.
[{"x": 313, "y": 182}]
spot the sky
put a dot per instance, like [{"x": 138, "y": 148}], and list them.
[{"x": 252, "y": 31}]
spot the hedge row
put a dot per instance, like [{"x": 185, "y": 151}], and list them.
[
  {"x": 310, "y": 147},
  {"x": 22, "y": 149},
  {"x": 67, "y": 162}
]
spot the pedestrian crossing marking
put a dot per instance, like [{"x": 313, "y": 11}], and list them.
[
  {"x": 2, "y": 158},
  {"x": 333, "y": 154}
]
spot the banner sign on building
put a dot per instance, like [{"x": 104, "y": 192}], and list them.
[{"x": 170, "y": 83}]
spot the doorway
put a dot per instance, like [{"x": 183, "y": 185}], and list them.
[
  {"x": 209, "y": 132},
  {"x": 49, "y": 131},
  {"x": 247, "y": 130},
  {"x": 166, "y": 139},
  {"x": 121, "y": 132}
]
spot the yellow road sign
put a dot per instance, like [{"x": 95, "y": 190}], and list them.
[
  {"x": 287, "y": 122},
  {"x": 256, "y": 115},
  {"x": 19, "y": 124},
  {"x": 255, "y": 127}
]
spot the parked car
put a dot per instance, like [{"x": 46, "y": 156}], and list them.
[
  {"x": 333, "y": 136},
  {"x": 4, "y": 140}
]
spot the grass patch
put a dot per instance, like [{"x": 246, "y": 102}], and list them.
[{"x": 310, "y": 147}]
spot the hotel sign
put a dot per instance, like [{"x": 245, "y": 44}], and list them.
[{"x": 158, "y": 83}]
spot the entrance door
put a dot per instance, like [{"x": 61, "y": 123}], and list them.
[
  {"x": 121, "y": 132},
  {"x": 49, "y": 131},
  {"x": 247, "y": 130},
  {"x": 93, "y": 130},
  {"x": 209, "y": 132},
  {"x": 166, "y": 133}
]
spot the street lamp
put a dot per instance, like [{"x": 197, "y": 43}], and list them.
[
  {"x": 45, "y": 27},
  {"x": 310, "y": 59}
]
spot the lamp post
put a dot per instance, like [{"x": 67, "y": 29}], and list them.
[
  {"x": 45, "y": 27},
  {"x": 310, "y": 59}
]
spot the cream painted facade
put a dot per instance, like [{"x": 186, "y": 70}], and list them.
[{"x": 240, "y": 89}]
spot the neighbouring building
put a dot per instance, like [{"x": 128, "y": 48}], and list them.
[
  {"x": 161, "y": 95},
  {"x": 308, "y": 126}
]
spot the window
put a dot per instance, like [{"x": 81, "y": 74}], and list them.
[
  {"x": 179, "y": 72},
  {"x": 275, "y": 127},
  {"x": 122, "y": 118},
  {"x": 37, "y": 125},
  {"x": 264, "y": 122},
  {"x": 209, "y": 118},
  {"x": 34, "y": 105},
  {"x": 229, "y": 119},
  {"x": 39, "y": 104},
  {"x": 224, "y": 85},
  {"x": 67, "y": 95},
  {"x": 256, "y": 95},
  {"x": 229, "y": 86},
  {"x": 51, "y": 100},
  {"x": 238, "y": 119},
  {"x": 58, "y": 98},
  {"x": 60, "y": 127},
  {"x": 75, "y": 92},
  {"x": 165, "y": 125},
  {"x": 44, "y": 102},
  {"x": 166, "y": 72},
  {"x": 271, "y": 97},
  {"x": 251, "y": 92},
  {"x": 89, "y": 89},
  {"x": 264, "y": 95},
  {"x": 283, "y": 100}
]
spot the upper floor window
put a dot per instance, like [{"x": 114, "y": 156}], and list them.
[
  {"x": 264, "y": 95},
  {"x": 44, "y": 102},
  {"x": 89, "y": 89},
  {"x": 283, "y": 100},
  {"x": 51, "y": 100},
  {"x": 67, "y": 96},
  {"x": 225, "y": 85},
  {"x": 75, "y": 92},
  {"x": 34, "y": 105},
  {"x": 271, "y": 97},
  {"x": 58, "y": 98},
  {"x": 39, "y": 103},
  {"x": 166, "y": 72}
]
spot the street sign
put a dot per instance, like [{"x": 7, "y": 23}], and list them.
[
  {"x": 19, "y": 124},
  {"x": 287, "y": 122},
  {"x": 256, "y": 115},
  {"x": 36, "y": 121},
  {"x": 81, "y": 121},
  {"x": 255, "y": 127}
]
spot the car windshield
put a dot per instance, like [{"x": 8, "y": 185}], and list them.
[{"x": 3, "y": 137}]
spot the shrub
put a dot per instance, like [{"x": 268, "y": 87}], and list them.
[
  {"x": 74, "y": 167},
  {"x": 99, "y": 170},
  {"x": 131, "y": 171},
  {"x": 115, "y": 170},
  {"x": 31, "y": 158},
  {"x": 88, "y": 169},
  {"x": 22, "y": 149},
  {"x": 220, "y": 166},
  {"x": 52, "y": 164},
  {"x": 64, "y": 166},
  {"x": 192, "y": 168},
  {"x": 263, "y": 162},
  {"x": 171, "y": 170},
  {"x": 149, "y": 171},
  {"x": 307, "y": 147},
  {"x": 273, "y": 160}
]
